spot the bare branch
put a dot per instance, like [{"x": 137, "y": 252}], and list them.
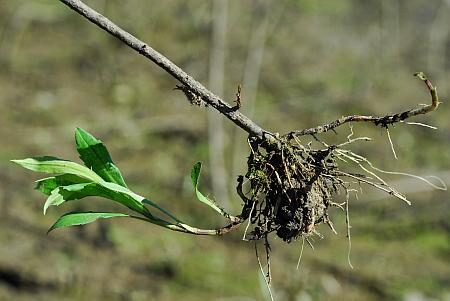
[
  {"x": 188, "y": 81},
  {"x": 383, "y": 121}
]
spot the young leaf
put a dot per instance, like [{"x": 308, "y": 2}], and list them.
[
  {"x": 47, "y": 185},
  {"x": 95, "y": 156},
  {"x": 54, "y": 199},
  {"x": 82, "y": 218},
  {"x": 71, "y": 192},
  {"x": 195, "y": 175},
  {"x": 55, "y": 165}
]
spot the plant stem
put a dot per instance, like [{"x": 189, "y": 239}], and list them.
[
  {"x": 383, "y": 121},
  {"x": 180, "y": 227}
]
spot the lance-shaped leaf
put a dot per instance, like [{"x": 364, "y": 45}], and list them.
[
  {"x": 64, "y": 188},
  {"x": 58, "y": 166},
  {"x": 95, "y": 156},
  {"x": 82, "y": 218},
  {"x": 125, "y": 196},
  {"x": 195, "y": 176}
]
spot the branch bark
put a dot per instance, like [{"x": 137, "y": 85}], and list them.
[
  {"x": 188, "y": 81},
  {"x": 231, "y": 112},
  {"x": 383, "y": 121}
]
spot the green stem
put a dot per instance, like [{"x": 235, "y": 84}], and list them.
[{"x": 181, "y": 227}]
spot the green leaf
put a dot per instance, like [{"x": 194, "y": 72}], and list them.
[
  {"x": 82, "y": 218},
  {"x": 117, "y": 188},
  {"x": 75, "y": 191},
  {"x": 195, "y": 176},
  {"x": 109, "y": 190},
  {"x": 124, "y": 196},
  {"x": 47, "y": 185},
  {"x": 72, "y": 192},
  {"x": 95, "y": 156},
  {"x": 55, "y": 199},
  {"x": 55, "y": 165}
]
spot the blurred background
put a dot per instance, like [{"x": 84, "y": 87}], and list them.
[{"x": 301, "y": 63}]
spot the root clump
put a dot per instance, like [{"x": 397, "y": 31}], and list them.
[{"x": 291, "y": 189}]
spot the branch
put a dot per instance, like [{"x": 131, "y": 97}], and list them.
[
  {"x": 189, "y": 83},
  {"x": 383, "y": 121}
]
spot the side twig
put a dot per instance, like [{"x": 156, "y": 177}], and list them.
[{"x": 383, "y": 121}]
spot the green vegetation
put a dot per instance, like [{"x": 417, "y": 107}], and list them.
[{"x": 100, "y": 177}]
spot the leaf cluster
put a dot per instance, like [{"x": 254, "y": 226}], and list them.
[{"x": 100, "y": 177}]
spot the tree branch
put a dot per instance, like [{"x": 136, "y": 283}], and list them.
[
  {"x": 383, "y": 121},
  {"x": 195, "y": 89},
  {"x": 188, "y": 81}
]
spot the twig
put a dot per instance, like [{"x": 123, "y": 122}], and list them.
[
  {"x": 188, "y": 81},
  {"x": 383, "y": 121}
]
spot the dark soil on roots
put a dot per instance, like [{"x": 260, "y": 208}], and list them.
[{"x": 291, "y": 189}]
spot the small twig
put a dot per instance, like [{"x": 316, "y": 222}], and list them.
[
  {"x": 383, "y": 121},
  {"x": 238, "y": 98}
]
